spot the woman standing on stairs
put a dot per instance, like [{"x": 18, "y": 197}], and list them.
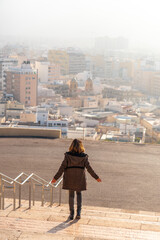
[{"x": 74, "y": 179}]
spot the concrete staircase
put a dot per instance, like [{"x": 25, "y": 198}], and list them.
[{"x": 96, "y": 223}]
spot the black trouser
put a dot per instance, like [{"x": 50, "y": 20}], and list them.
[{"x": 71, "y": 200}]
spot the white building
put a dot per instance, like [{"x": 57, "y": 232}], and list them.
[
  {"x": 114, "y": 106},
  {"x": 42, "y": 116},
  {"x": 59, "y": 124},
  {"x": 42, "y": 68},
  {"x": 4, "y": 64},
  {"x": 47, "y": 72},
  {"x": 130, "y": 128}
]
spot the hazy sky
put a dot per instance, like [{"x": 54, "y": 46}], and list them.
[{"x": 138, "y": 20}]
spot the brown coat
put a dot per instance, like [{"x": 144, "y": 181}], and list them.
[{"x": 73, "y": 167}]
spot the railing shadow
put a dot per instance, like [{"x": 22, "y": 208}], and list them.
[{"x": 63, "y": 225}]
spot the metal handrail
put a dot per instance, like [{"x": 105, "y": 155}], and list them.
[
  {"x": 57, "y": 184},
  {"x": 31, "y": 176},
  {"x": 29, "y": 179},
  {"x": 13, "y": 180}
]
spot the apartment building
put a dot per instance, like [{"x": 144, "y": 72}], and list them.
[
  {"x": 61, "y": 58},
  {"x": 76, "y": 62},
  {"x": 47, "y": 72},
  {"x": 5, "y": 63},
  {"x": 22, "y": 83},
  {"x": 70, "y": 61}
]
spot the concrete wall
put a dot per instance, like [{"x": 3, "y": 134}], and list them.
[{"x": 29, "y": 132}]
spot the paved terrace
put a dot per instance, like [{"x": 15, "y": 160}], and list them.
[{"x": 130, "y": 173}]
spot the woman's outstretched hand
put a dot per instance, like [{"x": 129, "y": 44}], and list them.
[
  {"x": 99, "y": 180},
  {"x": 53, "y": 181}
]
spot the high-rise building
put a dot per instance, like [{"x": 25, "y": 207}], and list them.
[
  {"x": 77, "y": 62},
  {"x": 126, "y": 71},
  {"x": 47, "y": 72},
  {"x": 60, "y": 58},
  {"x": 4, "y": 64},
  {"x": 22, "y": 83},
  {"x": 156, "y": 85},
  {"x": 71, "y": 61},
  {"x": 96, "y": 65}
]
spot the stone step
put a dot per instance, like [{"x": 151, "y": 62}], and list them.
[
  {"x": 23, "y": 229},
  {"x": 96, "y": 223},
  {"x": 90, "y": 213}
]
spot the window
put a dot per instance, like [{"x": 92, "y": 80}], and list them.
[{"x": 49, "y": 124}]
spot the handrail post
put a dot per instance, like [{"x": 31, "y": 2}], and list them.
[
  {"x": 14, "y": 196},
  {"x": 60, "y": 193},
  {"x": 51, "y": 202},
  {"x": 42, "y": 195},
  {"x": 2, "y": 195},
  {"x": 30, "y": 193},
  {"x": 20, "y": 193},
  {"x": 33, "y": 193},
  {"x": 0, "y": 192}
]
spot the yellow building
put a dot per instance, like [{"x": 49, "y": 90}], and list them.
[
  {"x": 13, "y": 110},
  {"x": 148, "y": 82},
  {"x": 75, "y": 102},
  {"x": 27, "y": 117},
  {"x": 61, "y": 58},
  {"x": 14, "y": 105},
  {"x": 151, "y": 126}
]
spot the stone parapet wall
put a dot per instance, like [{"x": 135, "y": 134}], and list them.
[{"x": 29, "y": 132}]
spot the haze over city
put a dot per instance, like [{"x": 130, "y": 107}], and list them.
[{"x": 78, "y": 23}]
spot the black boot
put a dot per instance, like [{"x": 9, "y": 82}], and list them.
[
  {"x": 78, "y": 213},
  {"x": 71, "y": 216}
]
